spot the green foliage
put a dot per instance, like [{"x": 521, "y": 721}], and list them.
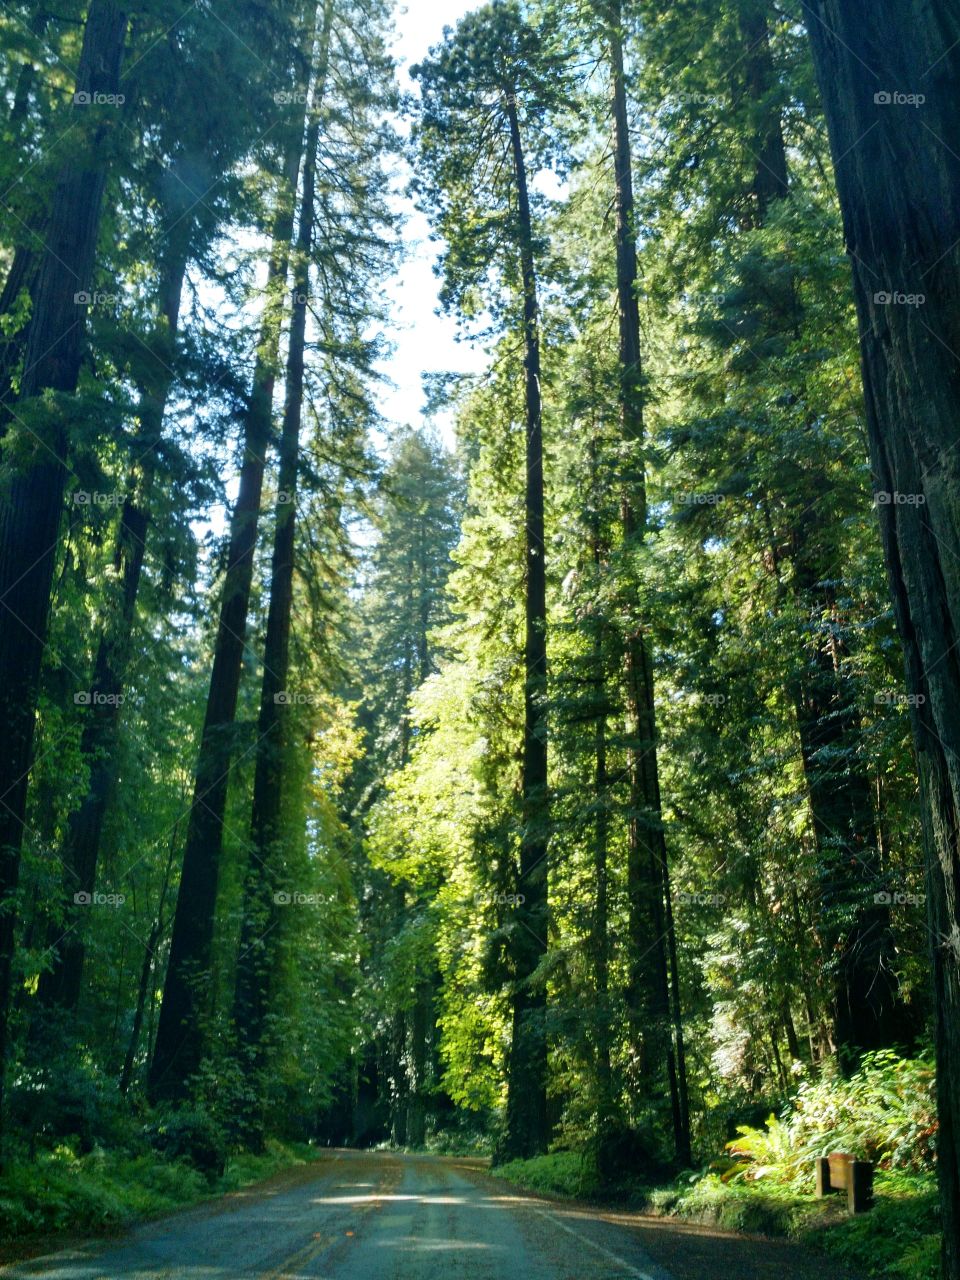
[
  {"x": 466, "y": 1139},
  {"x": 494, "y": 62},
  {"x": 756, "y": 582},
  {"x": 899, "y": 1237},
  {"x": 736, "y": 1207},
  {"x": 67, "y": 1100},
  {"x": 885, "y": 1112},
  {"x": 105, "y": 1191},
  {"x": 190, "y": 1134},
  {"x": 563, "y": 1173}
]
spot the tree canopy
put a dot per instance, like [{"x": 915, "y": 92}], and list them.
[{"x": 572, "y": 769}]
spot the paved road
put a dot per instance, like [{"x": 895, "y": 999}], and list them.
[{"x": 373, "y": 1216}]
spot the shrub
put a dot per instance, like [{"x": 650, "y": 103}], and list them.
[
  {"x": 885, "y": 1113},
  {"x": 564, "y": 1173},
  {"x": 67, "y": 1100},
  {"x": 899, "y": 1238},
  {"x": 189, "y": 1133}
]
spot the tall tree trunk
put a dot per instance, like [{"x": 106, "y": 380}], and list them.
[
  {"x": 424, "y": 1015},
  {"x": 60, "y": 985},
  {"x": 650, "y": 978},
  {"x": 600, "y": 923},
  {"x": 21, "y": 278},
  {"x": 181, "y": 1031},
  {"x": 855, "y": 932},
  {"x": 32, "y": 508},
  {"x": 770, "y": 177},
  {"x": 899, "y": 186},
  {"x": 527, "y": 1128},
  {"x": 419, "y": 1026},
  {"x": 261, "y": 931},
  {"x": 856, "y": 937},
  {"x": 26, "y": 255},
  {"x": 145, "y": 986}
]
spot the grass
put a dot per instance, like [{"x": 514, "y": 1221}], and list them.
[
  {"x": 898, "y": 1239},
  {"x": 565, "y": 1174},
  {"x": 101, "y": 1193}
]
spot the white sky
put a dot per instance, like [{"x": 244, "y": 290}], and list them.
[{"x": 424, "y": 341}]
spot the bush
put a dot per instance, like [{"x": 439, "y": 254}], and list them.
[
  {"x": 898, "y": 1240},
  {"x": 68, "y": 1101},
  {"x": 459, "y": 1142},
  {"x": 885, "y": 1113},
  {"x": 106, "y": 1190},
  {"x": 564, "y": 1173},
  {"x": 900, "y": 1237},
  {"x": 95, "y": 1193},
  {"x": 189, "y": 1133}
]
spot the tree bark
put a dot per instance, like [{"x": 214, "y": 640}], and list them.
[
  {"x": 770, "y": 177},
  {"x": 899, "y": 185},
  {"x": 600, "y": 923},
  {"x": 31, "y": 511},
  {"x": 855, "y": 930},
  {"x": 856, "y": 937},
  {"x": 653, "y": 984},
  {"x": 261, "y": 931},
  {"x": 60, "y": 985},
  {"x": 180, "y": 1031},
  {"x": 527, "y": 1128},
  {"x": 26, "y": 256},
  {"x": 419, "y": 1025}
]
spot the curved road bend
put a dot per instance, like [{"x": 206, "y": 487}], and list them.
[{"x": 376, "y": 1216}]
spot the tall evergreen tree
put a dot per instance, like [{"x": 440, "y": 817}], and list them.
[
  {"x": 899, "y": 186},
  {"x": 32, "y": 508},
  {"x": 181, "y": 1031},
  {"x": 652, "y": 958},
  {"x": 497, "y": 77}
]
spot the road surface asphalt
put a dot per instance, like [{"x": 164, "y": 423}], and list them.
[{"x": 379, "y": 1216}]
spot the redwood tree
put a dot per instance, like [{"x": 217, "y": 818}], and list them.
[
  {"x": 32, "y": 507},
  {"x": 488, "y": 94},
  {"x": 889, "y": 73}
]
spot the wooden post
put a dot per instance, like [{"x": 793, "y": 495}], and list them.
[
  {"x": 841, "y": 1172},
  {"x": 859, "y": 1186}
]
